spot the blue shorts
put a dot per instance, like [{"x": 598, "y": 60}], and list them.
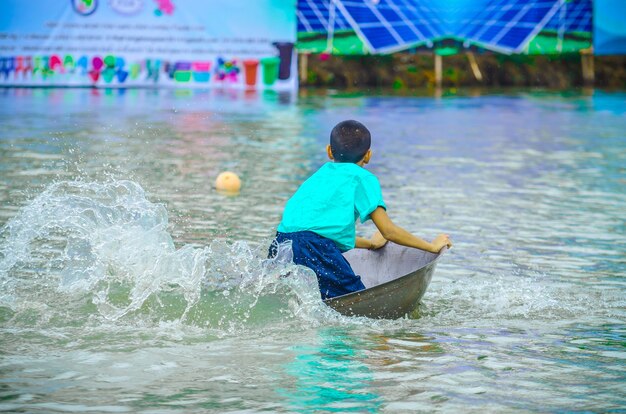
[{"x": 334, "y": 274}]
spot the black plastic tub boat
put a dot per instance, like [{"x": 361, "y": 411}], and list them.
[{"x": 395, "y": 279}]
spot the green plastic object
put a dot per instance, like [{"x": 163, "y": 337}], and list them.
[
  {"x": 109, "y": 61},
  {"x": 37, "y": 64},
  {"x": 182, "y": 75},
  {"x": 68, "y": 62},
  {"x": 270, "y": 70},
  {"x": 108, "y": 74},
  {"x": 135, "y": 69}
]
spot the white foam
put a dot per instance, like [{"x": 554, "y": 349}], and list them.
[{"x": 106, "y": 244}]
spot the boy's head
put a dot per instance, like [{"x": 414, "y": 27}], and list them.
[{"x": 349, "y": 141}]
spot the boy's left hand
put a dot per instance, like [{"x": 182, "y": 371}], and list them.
[{"x": 377, "y": 241}]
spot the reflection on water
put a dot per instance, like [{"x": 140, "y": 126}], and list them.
[
  {"x": 127, "y": 283},
  {"x": 331, "y": 376}
]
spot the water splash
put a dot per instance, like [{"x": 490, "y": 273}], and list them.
[{"x": 85, "y": 249}]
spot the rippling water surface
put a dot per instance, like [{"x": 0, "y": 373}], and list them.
[{"x": 127, "y": 284}]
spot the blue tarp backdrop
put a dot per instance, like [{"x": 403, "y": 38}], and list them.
[
  {"x": 609, "y": 27},
  {"x": 234, "y": 43}
]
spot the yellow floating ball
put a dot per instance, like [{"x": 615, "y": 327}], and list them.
[{"x": 228, "y": 181}]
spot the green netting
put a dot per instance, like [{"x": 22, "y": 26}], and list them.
[
  {"x": 349, "y": 43},
  {"x": 342, "y": 43},
  {"x": 547, "y": 43},
  {"x": 446, "y": 51}
]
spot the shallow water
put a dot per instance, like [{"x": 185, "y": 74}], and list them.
[{"x": 129, "y": 285}]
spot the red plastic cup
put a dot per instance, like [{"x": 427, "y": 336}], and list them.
[{"x": 250, "y": 67}]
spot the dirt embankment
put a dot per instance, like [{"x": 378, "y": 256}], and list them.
[{"x": 407, "y": 71}]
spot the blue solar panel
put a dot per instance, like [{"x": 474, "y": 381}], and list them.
[
  {"x": 491, "y": 32},
  {"x": 507, "y": 25},
  {"x": 314, "y": 16},
  {"x": 573, "y": 16},
  {"x": 514, "y": 37},
  {"x": 509, "y": 14},
  {"x": 379, "y": 37},
  {"x": 390, "y": 25}
]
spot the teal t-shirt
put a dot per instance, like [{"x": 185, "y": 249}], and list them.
[{"x": 330, "y": 201}]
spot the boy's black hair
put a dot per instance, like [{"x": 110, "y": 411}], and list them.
[{"x": 349, "y": 141}]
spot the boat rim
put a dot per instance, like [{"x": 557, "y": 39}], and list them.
[{"x": 358, "y": 292}]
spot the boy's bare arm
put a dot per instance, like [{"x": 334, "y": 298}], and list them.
[{"x": 400, "y": 236}]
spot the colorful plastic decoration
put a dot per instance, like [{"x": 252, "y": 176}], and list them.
[
  {"x": 68, "y": 63},
  {"x": 82, "y": 64},
  {"x": 4, "y": 67},
  {"x": 121, "y": 75},
  {"x": 182, "y": 71},
  {"x": 11, "y": 66},
  {"x": 135, "y": 70},
  {"x": 227, "y": 71},
  {"x": 37, "y": 68},
  {"x": 28, "y": 66},
  {"x": 108, "y": 74},
  {"x": 201, "y": 66},
  {"x": 201, "y": 71},
  {"x": 44, "y": 67},
  {"x": 96, "y": 63},
  {"x": 19, "y": 66},
  {"x": 55, "y": 63},
  {"x": 54, "y": 66},
  {"x": 285, "y": 52},
  {"x": 113, "y": 68},
  {"x": 109, "y": 61},
  {"x": 152, "y": 68},
  {"x": 168, "y": 69},
  {"x": 119, "y": 69},
  {"x": 250, "y": 67},
  {"x": 270, "y": 70},
  {"x": 94, "y": 75}
]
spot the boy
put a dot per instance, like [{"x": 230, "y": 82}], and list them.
[{"x": 320, "y": 217}]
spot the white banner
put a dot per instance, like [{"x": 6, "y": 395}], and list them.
[{"x": 125, "y": 43}]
